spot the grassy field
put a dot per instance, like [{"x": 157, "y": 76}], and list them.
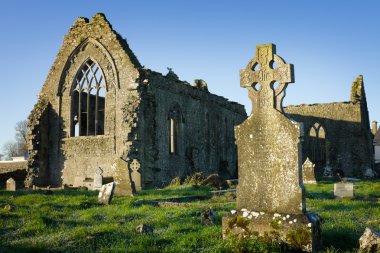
[{"x": 73, "y": 221}]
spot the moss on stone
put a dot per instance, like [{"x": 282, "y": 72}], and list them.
[{"x": 299, "y": 238}]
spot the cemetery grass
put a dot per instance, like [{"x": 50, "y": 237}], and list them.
[{"x": 73, "y": 221}]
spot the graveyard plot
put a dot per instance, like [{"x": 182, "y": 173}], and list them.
[{"x": 73, "y": 221}]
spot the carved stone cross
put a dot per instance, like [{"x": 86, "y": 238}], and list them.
[
  {"x": 260, "y": 76},
  {"x": 135, "y": 165},
  {"x": 136, "y": 175}
]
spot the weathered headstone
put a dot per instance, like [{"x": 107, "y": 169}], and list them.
[
  {"x": 11, "y": 185},
  {"x": 122, "y": 176},
  {"x": 344, "y": 190},
  {"x": 136, "y": 176},
  {"x": 308, "y": 175},
  {"x": 98, "y": 179},
  {"x": 270, "y": 193},
  {"x": 106, "y": 193},
  {"x": 328, "y": 173}
]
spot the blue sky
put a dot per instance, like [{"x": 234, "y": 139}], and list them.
[{"x": 329, "y": 43}]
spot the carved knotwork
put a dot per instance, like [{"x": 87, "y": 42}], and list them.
[{"x": 266, "y": 75}]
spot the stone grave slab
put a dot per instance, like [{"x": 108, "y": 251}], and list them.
[
  {"x": 11, "y": 185},
  {"x": 98, "y": 179},
  {"x": 308, "y": 176},
  {"x": 106, "y": 193},
  {"x": 344, "y": 190},
  {"x": 122, "y": 176},
  {"x": 269, "y": 154}
]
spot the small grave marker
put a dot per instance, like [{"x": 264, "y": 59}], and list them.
[
  {"x": 11, "y": 185},
  {"x": 98, "y": 179},
  {"x": 344, "y": 190}
]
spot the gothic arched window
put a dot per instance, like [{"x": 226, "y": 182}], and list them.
[
  {"x": 88, "y": 101},
  {"x": 317, "y": 137},
  {"x": 175, "y": 118}
]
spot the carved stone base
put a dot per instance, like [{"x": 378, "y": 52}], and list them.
[{"x": 295, "y": 231}]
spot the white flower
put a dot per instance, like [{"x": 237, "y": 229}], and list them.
[
  {"x": 249, "y": 216},
  {"x": 273, "y": 218},
  {"x": 288, "y": 216},
  {"x": 295, "y": 220},
  {"x": 279, "y": 222},
  {"x": 233, "y": 211},
  {"x": 309, "y": 225},
  {"x": 244, "y": 210},
  {"x": 256, "y": 214},
  {"x": 284, "y": 218},
  {"x": 245, "y": 214},
  {"x": 261, "y": 213},
  {"x": 276, "y": 215},
  {"x": 290, "y": 222}
]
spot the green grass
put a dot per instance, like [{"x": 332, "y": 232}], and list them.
[{"x": 73, "y": 221}]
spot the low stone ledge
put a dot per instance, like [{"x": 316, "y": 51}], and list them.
[{"x": 296, "y": 231}]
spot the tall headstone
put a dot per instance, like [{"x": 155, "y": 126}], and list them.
[
  {"x": 269, "y": 146},
  {"x": 136, "y": 176},
  {"x": 11, "y": 185},
  {"x": 98, "y": 179},
  {"x": 270, "y": 193},
  {"x": 308, "y": 174},
  {"x": 122, "y": 176}
]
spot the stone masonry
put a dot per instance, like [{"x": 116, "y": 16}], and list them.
[
  {"x": 170, "y": 127},
  {"x": 346, "y": 143}
]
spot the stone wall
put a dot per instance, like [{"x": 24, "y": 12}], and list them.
[
  {"x": 205, "y": 131},
  {"x": 347, "y": 143},
  {"x": 136, "y": 116}
]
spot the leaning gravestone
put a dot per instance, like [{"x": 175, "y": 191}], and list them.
[
  {"x": 122, "y": 176},
  {"x": 106, "y": 193},
  {"x": 270, "y": 193},
  {"x": 11, "y": 185},
  {"x": 308, "y": 176},
  {"x": 98, "y": 179}
]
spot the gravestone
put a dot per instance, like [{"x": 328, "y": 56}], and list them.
[
  {"x": 106, "y": 193},
  {"x": 11, "y": 185},
  {"x": 136, "y": 176},
  {"x": 308, "y": 176},
  {"x": 270, "y": 193},
  {"x": 122, "y": 176},
  {"x": 328, "y": 173},
  {"x": 344, "y": 190},
  {"x": 98, "y": 179}
]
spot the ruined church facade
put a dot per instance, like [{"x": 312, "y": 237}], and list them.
[
  {"x": 337, "y": 134},
  {"x": 100, "y": 106}
]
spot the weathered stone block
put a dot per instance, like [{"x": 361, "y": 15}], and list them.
[
  {"x": 369, "y": 241},
  {"x": 344, "y": 190},
  {"x": 296, "y": 231},
  {"x": 106, "y": 193}
]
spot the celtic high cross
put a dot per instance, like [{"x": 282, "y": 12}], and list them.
[{"x": 260, "y": 77}]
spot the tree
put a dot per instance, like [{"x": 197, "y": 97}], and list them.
[
  {"x": 21, "y": 129},
  {"x": 11, "y": 149}
]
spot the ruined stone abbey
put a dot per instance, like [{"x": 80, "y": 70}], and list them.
[{"x": 99, "y": 107}]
